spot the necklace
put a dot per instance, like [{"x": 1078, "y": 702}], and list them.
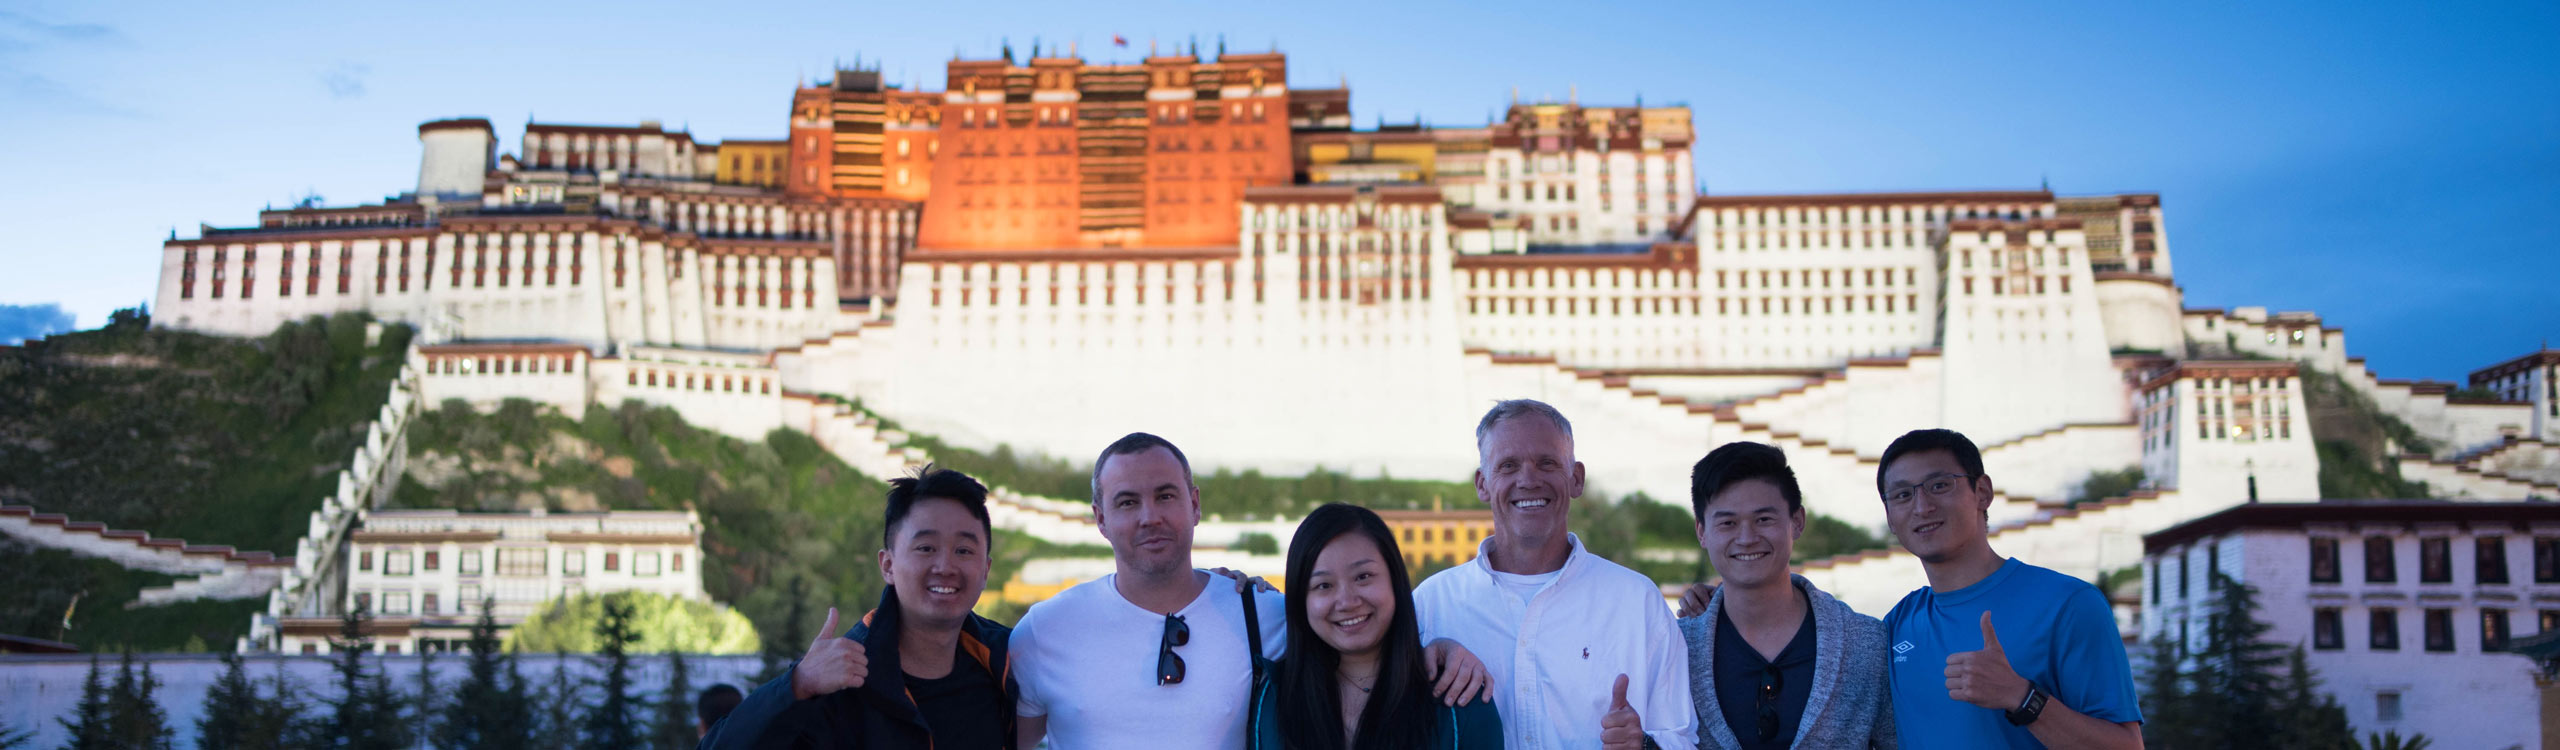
[{"x": 1355, "y": 684}]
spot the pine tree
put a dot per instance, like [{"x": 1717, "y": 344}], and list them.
[
  {"x": 2240, "y": 664},
  {"x": 134, "y": 720},
  {"x": 88, "y": 723},
  {"x": 12, "y": 738},
  {"x": 2311, "y": 719},
  {"x": 2239, "y": 690},
  {"x": 383, "y": 707},
  {"x": 366, "y": 714},
  {"x": 422, "y": 704},
  {"x": 280, "y": 721},
  {"x": 488, "y": 711},
  {"x": 2168, "y": 711},
  {"x": 230, "y": 710},
  {"x": 561, "y": 706},
  {"x": 609, "y": 724},
  {"x": 675, "y": 709}
]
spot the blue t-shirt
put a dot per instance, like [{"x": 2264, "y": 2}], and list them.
[{"x": 2058, "y": 631}]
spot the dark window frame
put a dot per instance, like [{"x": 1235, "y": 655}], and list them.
[
  {"x": 2325, "y": 560},
  {"x": 2435, "y": 559},
  {"x": 2436, "y": 630},
  {"x": 2383, "y": 629},
  {"x": 2328, "y": 629},
  {"x": 2489, "y": 560},
  {"x": 2381, "y": 561}
]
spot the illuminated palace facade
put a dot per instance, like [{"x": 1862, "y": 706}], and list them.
[{"x": 1051, "y": 252}]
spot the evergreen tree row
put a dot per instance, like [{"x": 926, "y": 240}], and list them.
[
  {"x": 494, "y": 707},
  {"x": 2241, "y": 690}
]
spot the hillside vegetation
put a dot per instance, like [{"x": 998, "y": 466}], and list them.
[{"x": 212, "y": 439}]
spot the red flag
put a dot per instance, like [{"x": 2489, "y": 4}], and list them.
[{"x": 1119, "y": 41}]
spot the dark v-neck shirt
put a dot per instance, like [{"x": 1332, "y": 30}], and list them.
[{"x": 1740, "y": 672}]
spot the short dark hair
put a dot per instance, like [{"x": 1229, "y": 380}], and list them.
[
  {"x": 1131, "y": 444},
  {"x": 716, "y": 702},
  {"x": 1737, "y": 462},
  {"x": 1954, "y": 443},
  {"x": 934, "y": 483}
]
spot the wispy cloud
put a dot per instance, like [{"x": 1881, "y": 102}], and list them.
[
  {"x": 61, "y": 32},
  {"x": 22, "y": 322},
  {"x": 345, "y": 80},
  {"x": 39, "y": 93}
]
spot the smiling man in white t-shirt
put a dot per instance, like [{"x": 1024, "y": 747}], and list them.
[{"x": 1152, "y": 655}]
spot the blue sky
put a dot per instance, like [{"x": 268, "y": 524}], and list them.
[{"x": 2392, "y": 166}]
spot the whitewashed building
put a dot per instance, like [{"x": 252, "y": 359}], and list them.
[
  {"x": 423, "y": 573},
  {"x": 2403, "y": 607}
]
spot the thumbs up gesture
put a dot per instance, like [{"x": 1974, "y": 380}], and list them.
[
  {"x": 1983, "y": 678},
  {"x": 1621, "y": 728},
  {"x": 833, "y": 663}
]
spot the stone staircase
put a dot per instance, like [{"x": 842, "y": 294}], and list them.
[{"x": 205, "y": 571}]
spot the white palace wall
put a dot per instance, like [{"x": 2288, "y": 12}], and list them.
[{"x": 597, "y": 282}]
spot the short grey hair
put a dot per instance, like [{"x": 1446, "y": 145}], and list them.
[{"x": 1509, "y": 409}]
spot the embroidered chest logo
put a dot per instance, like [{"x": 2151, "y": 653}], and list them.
[
  {"x": 1586, "y": 652},
  {"x": 1899, "y": 649}
]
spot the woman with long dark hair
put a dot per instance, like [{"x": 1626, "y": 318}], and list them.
[{"x": 1353, "y": 677}]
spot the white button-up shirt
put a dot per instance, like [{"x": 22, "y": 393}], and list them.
[{"x": 1555, "y": 656}]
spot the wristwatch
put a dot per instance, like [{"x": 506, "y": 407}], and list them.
[{"x": 2028, "y": 709}]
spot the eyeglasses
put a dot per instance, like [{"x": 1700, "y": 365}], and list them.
[
  {"x": 1772, "y": 682},
  {"x": 1169, "y": 667},
  {"x": 1937, "y": 487}
]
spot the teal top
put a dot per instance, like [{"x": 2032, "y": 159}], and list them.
[{"x": 1475, "y": 726}]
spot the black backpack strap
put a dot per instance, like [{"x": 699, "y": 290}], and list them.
[
  {"x": 1253, "y": 631},
  {"x": 1253, "y": 694}
]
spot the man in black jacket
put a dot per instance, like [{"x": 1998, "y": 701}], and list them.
[{"x": 921, "y": 670}]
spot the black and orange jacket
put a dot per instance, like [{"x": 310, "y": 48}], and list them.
[{"x": 880, "y": 714}]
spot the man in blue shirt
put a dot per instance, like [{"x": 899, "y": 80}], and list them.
[{"x": 1993, "y": 652}]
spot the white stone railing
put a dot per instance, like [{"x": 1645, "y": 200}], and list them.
[{"x": 312, "y": 586}]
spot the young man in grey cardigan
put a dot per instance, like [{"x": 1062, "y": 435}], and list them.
[{"x": 1773, "y": 661}]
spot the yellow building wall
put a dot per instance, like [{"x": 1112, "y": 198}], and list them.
[
  {"x": 758, "y": 164},
  {"x": 1425, "y": 156}
]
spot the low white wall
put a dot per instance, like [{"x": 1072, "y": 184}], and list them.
[{"x": 44, "y": 688}]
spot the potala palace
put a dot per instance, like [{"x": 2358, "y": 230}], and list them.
[{"x": 1052, "y": 252}]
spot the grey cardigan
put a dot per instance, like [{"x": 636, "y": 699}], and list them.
[{"x": 1850, "y": 706}]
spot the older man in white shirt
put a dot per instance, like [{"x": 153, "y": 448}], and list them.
[{"x": 1573, "y": 641}]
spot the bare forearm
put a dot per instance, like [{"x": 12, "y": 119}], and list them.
[
  {"x": 2063, "y": 728},
  {"x": 1028, "y": 731}
]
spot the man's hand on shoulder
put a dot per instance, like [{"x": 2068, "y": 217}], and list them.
[{"x": 1693, "y": 602}]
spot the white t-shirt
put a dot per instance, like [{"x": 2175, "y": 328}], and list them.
[
  {"x": 1086, "y": 659},
  {"x": 1555, "y": 647}
]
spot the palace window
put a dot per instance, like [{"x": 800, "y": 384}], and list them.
[
  {"x": 519, "y": 562},
  {"x": 2385, "y": 630},
  {"x": 2493, "y": 629},
  {"x": 2328, "y": 629},
  {"x": 2435, "y": 560},
  {"x": 2439, "y": 630},
  {"x": 2489, "y": 556},
  {"x": 2379, "y": 565}
]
